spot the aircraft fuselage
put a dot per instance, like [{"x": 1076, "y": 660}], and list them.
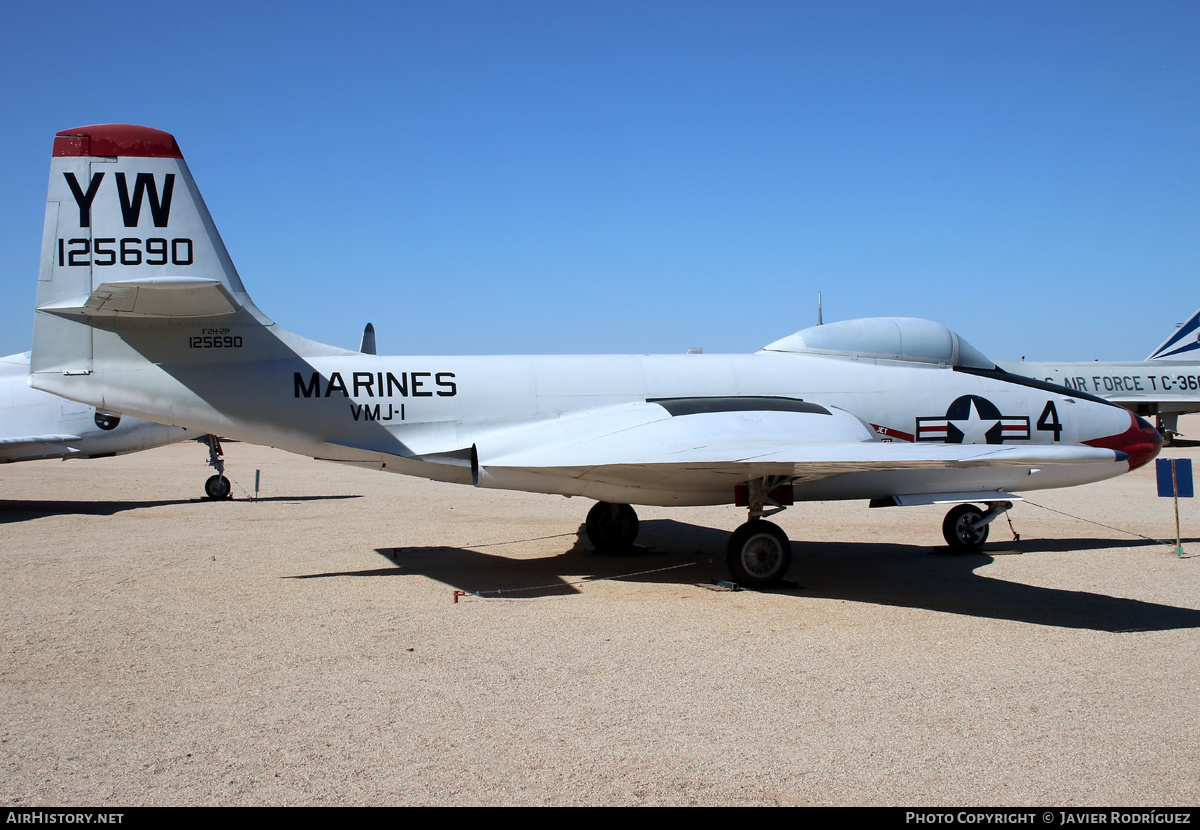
[{"x": 396, "y": 412}]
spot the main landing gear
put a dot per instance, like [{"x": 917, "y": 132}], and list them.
[
  {"x": 217, "y": 487},
  {"x": 612, "y": 527},
  {"x": 758, "y": 554},
  {"x": 966, "y": 526},
  {"x": 1168, "y": 427}
]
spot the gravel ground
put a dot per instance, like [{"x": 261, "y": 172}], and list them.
[{"x": 308, "y": 648}]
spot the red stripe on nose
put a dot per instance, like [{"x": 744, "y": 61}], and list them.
[{"x": 1141, "y": 442}]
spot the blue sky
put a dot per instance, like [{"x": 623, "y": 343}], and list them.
[{"x": 525, "y": 177}]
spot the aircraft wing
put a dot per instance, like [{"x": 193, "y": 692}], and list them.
[
  {"x": 33, "y": 447},
  {"x": 24, "y": 440},
  {"x": 707, "y": 445}
]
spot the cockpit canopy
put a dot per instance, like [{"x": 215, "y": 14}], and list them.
[{"x": 886, "y": 338}]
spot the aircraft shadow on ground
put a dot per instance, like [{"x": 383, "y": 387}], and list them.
[
  {"x": 899, "y": 575},
  {"x": 298, "y": 498},
  {"x": 22, "y": 511},
  {"x": 14, "y": 510}
]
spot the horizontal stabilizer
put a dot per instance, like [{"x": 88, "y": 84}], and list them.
[{"x": 154, "y": 297}]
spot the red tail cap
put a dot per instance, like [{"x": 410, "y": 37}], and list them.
[{"x": 116, "y": 140}]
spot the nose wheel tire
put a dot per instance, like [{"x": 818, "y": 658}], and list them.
[
  {"x": 612, "y": 527},
  {"x": 958, "y": 530},
  {"x": 217, "y": 487},
  {"x": 758, "y": 554}
]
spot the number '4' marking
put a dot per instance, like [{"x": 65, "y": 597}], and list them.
[{"x": 1049, "y": 421}]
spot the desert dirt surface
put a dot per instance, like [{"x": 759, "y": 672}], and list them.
[{"x": 312, "y": 647}]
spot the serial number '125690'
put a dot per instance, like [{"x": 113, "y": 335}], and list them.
[
  {"x": 219, "y": 342},
  {"x": 128, "y": 251}
]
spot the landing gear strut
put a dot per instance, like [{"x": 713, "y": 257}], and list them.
[
  {"x": 1168, "y": 427},
  {"x": 759, "y": 553},
  {"x": 217, "y": 487},
  {"x": 612, "y": 527},
  {"x": 966, "y": 526}
]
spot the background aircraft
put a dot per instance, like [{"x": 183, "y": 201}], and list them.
[
  {"x": 36, "y": 425},
  {"x": 141, "y": 311},
  {"x": 1164, "y": 385}
]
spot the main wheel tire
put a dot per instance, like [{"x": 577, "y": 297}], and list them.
[
  {"x": 612, "y": 527},
  {"x": 957, "y": 530},
  {"x": 217, "y": 487},
  {"x": 758, "y": 554}
]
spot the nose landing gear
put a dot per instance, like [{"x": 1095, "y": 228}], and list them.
[
  {"x": 217, "y": 487},
  {"x": 966, "y": 526}
]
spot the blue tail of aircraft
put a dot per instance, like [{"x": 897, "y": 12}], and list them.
[{"x": 1184, "y": 344}]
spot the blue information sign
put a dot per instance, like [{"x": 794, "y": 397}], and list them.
[{"x": 1183, "y": 477}]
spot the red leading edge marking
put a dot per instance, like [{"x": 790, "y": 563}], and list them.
[{"x": 116, "y": 140}]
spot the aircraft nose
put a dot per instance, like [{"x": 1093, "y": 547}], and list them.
[{"x": 1141, "y": 442}]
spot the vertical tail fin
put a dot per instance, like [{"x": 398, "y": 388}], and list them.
[
  {"x": 127, "y": 234},
  {"x": 1184, "y": 344},
  {"x": 139, "y": 308}
]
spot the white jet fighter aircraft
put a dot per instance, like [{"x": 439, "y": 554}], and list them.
[
  {"x": 36, "y": 425},
  {"x": 1165, "y": 385},
  {"x": 140, "y": 311}
]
